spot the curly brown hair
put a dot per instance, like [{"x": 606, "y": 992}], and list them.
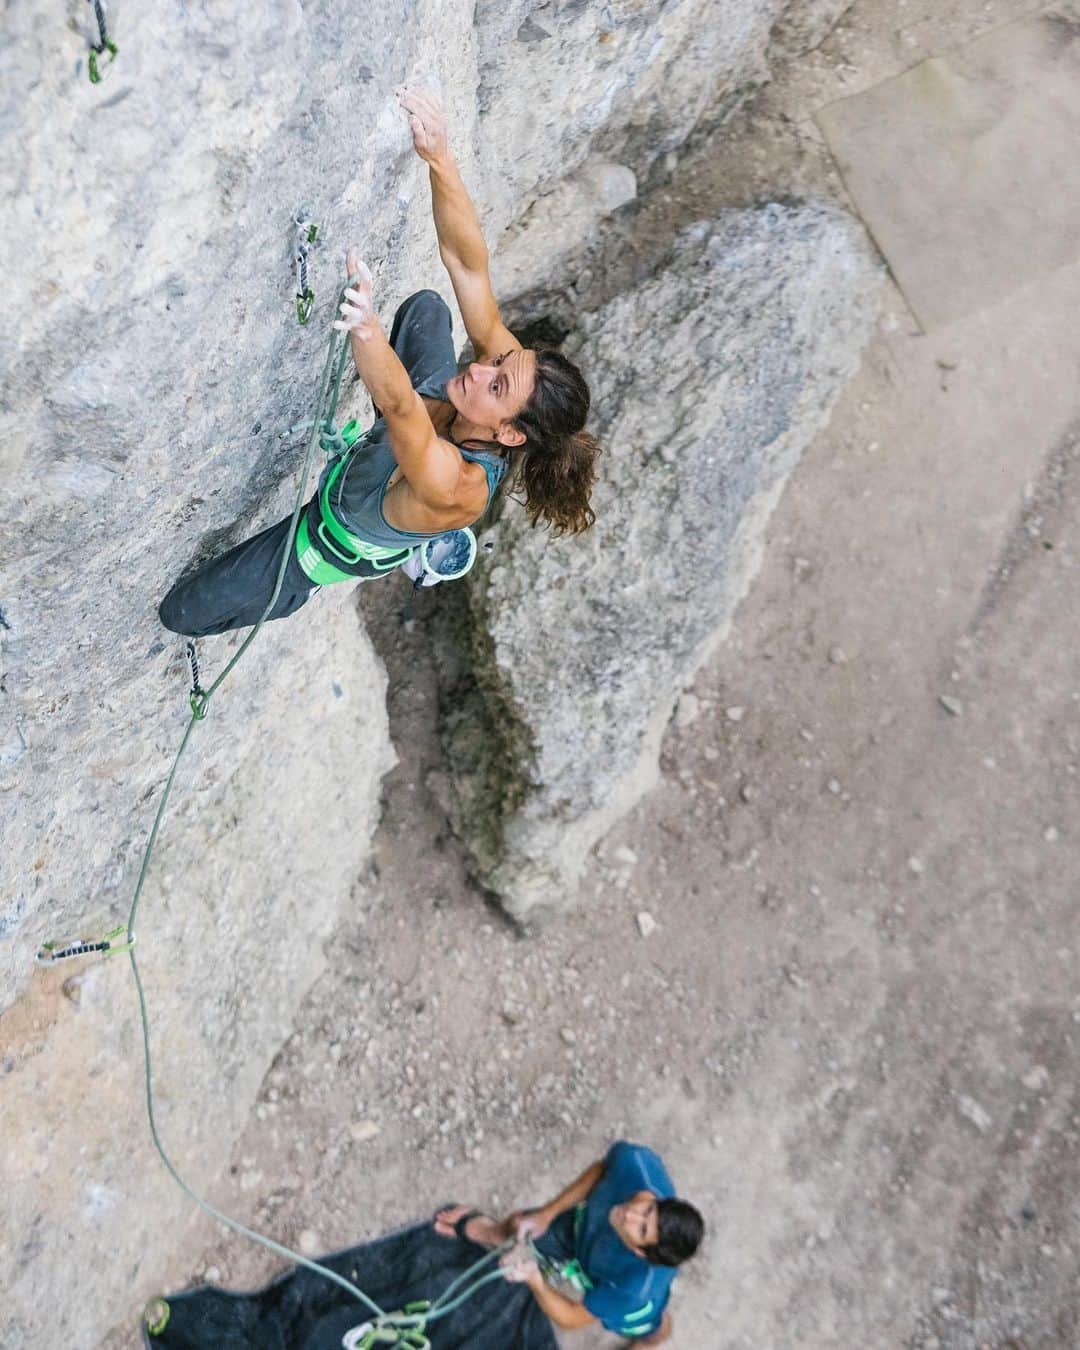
[{"x": 556, "y": 466}]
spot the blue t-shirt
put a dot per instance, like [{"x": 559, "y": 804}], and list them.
[{"x": 629, "y": 1294}]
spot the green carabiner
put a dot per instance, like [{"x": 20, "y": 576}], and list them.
[
  {"x": 304, "y": 305},
  {"x": 156, "y": 1316},
  {"x": 92, "y": 64}
]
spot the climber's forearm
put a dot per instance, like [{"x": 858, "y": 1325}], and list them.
[
  {"x": 378, "y": 366},
  {"x": 579, "y": 1189},
  {"x": 461, "y": 240}
]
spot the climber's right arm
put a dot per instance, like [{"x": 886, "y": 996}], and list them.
[{"x": 461, "y": 241}]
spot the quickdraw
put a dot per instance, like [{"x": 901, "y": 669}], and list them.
[
  {"x": 198, "y": 698},
  {"x": 104, "y": 43},
  {"x": 49, "y": 953},
  {"x": 307, "y": 231}
]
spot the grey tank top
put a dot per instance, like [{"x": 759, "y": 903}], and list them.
[{"x": 357, "y": 496}]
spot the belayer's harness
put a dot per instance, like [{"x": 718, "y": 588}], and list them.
[
  {"x": 328, "y": 552},
  {"x": 567, "y": 1273}
]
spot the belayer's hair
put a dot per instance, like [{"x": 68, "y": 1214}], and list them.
[
  {"x": 680, "y": 1229},
  {"x": 556, "y": 465}
]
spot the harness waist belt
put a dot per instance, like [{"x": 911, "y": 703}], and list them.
[{"x": 327, "y": 552}]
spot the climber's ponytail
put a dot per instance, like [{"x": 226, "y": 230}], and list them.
[{"x": 555, "y": 468}]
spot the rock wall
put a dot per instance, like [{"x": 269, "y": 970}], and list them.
[
  {"x": 156, "y": 357},
  {"x": 711, "y": 378}
]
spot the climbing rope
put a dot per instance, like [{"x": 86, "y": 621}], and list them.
[
  {"x": 104, "y": 43},
  {"x": 307, "y": 231},
  {"x": 411, "y": 1321}
]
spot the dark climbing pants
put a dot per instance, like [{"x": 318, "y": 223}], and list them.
[{"x": 232, "y": 591}]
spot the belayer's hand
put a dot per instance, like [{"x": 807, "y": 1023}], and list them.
[
  {"x": 519, "y": 1268},
  {"x": 357, "y": 310},
  {"x": 527, "y": 1223},
  {"x": 427, "y": 122}
]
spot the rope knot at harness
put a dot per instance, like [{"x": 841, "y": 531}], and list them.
[{"x": 307, "y": 231}]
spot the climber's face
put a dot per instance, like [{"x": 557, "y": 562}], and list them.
[{"x": 491, "y": 393}]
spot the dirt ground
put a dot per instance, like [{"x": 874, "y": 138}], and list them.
[{"x": 853, "y": 1034}]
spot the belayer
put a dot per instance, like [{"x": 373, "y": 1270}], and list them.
[
  {"x": 606, "y": 1249},
  {"x": 442, "y": 442}
]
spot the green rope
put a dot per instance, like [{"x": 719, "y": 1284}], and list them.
[
  {"x": 407, "y": 1327},
  {"x": 442, "y": 1304}
]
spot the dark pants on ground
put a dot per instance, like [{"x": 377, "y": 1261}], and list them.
[{"x": 232, "y": 591}]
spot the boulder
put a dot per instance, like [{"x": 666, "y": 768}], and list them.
[{"x": 710, "y": 380}]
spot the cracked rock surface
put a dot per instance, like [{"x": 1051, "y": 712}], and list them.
[{"x": 712, "y": 376}]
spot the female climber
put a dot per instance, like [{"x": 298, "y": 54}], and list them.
[{"x": 442, "y": 442}]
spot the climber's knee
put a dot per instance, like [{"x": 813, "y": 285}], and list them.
[
  {"x": 424, "y": 303},
  {"x": 170, "y": 612}
]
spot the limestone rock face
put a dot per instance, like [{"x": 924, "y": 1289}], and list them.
[
  {"x": 711, "y": 378},
  {"x": 156, "y": 356}
]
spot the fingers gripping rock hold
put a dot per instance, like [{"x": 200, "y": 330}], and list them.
[
  {"x": 357, "y": 271},
  {"x": 357, "y": 309},
  {"x": 427, "y": 122}
]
